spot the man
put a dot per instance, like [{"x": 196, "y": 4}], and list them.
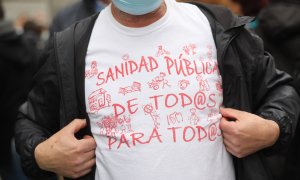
[
  {"x": 17, "y": 66},
  {"x": 233, "y": 6},
  {"x": 145, "y": 102},
  {"x": 76, "y": 12},
  {"x": 251, "y": 8},
  {"x": 283, "y": 42},
  {"x": 279, "y": 26}
]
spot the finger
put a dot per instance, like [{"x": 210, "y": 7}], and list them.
[
  {"x": 231, "y": 147},
  {"x": 230, "y": 113},
  {"x": 226, "y": 126},
  {"x": 89, "y": 164},
  {"x": 88, "y": 156},
  {"x": 230, "y": 150},
  {"x": 82, "y": 173},
  {"x": 228, "y": 142},
  {"x": 87, "y": 137},
  {"x": 235, "y": 153},
  {"x": 76, "y": 125},
  {"x": 87, "y": 144},
  {"x": 84, "y": 167},
  {"x": 234, "y": 148}
]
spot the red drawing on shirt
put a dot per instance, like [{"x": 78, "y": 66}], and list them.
[
  {"x": 201, "y": 58},
  {"x": 128, "y": 124},
  {"x": 209, "y": 52},
  {"x": 190, "y": 49},
  {"x": 101, "y": 128},
  {"x": 193, "y": 48},
  {"x": 213, "y": 115},
  {"x": 183, "y": 84},
  {"x": 161, "y": 51},
  {"x": 149, "y": 110},
  {"x": 174, "y": 118},
  {"x": 213, "y": 132},
  {"x": 93, "y": 71},
  {"x": 203, "y": 83},
  {"x": 219, "y": 86},
  {"x": 110, "y": 125},
  {"x": 126, "y": 57},
  {"x": 136, "y": 86},
  {"x": 158, "y": 81},
  {"x": 99, "y": 99},
  {"x": 193, "y": 118},
  {"x": 125, "y": 123}
]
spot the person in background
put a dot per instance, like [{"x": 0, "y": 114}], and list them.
[
  {"x": 18, "y": 62},
  {"x": 75, "y": 12},
  {"x": 279, "y": 27},
  {"x": 251, "y": 8},
  {"x": 239, "y": 7},
  {"x": 233, "y": 6},
  {"x": 32, "y": 32},
  {"x": 156, "y": 89}
]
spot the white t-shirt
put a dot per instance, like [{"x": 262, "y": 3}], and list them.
[{"x": 153, "y": 96}]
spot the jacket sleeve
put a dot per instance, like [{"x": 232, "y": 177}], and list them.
[
  {"x": 296, "y": 75},
  {"x": 274, "y": 97},
  {"x": 38, "y": 118}
]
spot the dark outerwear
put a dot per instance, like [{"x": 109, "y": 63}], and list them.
[
  {"x": 69, "y": 15},
  {"x": 279, "y": 27},
  {"x": 17, "y": 65},
  {"x": 250, "y": 82}
]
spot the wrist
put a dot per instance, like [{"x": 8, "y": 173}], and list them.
[
  {"x": 273, "y": 132},
  {"x": 40, "y": 155}
]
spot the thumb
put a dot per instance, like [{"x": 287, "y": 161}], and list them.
[
  {"x": 230, "y": 114},
  {"x": 87, "y": 137},
  {"x": 88, "y": 143},
  {"x": 225, "y": 125},
  {"x": 76, "y": 125}
]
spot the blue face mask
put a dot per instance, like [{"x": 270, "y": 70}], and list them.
[{"x": 137, "y": 7}]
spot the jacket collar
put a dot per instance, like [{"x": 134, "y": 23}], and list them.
[
  {"x": 218, "y": 12},
  {"x": 225, "y": 26},
  {"x": 82, "y": 34}
]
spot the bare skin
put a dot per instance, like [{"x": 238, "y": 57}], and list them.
[
  {"x": 65, "y": 155},
  {"x": 248, "y": 133}
]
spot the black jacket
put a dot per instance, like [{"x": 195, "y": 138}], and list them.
[
  {"x": 250, "y": 83},
  {"x": 73, "y": 13},
  {"x": 279, "y": 27},
  {"x": 17, "y": 65}
]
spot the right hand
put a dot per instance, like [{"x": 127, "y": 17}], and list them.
[{"x": 65, "y": 155}]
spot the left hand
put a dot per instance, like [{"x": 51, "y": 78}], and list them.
[{"x": 245, "y": 133}]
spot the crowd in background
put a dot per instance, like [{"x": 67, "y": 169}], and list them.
[{"x": 277, "y": 22}]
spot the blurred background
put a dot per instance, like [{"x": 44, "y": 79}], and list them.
[
  {"x": 42, "y": 12},
  {"x": 39, "y": 11}
]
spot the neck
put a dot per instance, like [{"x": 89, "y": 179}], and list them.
[{"x": 138, "y": 21}]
